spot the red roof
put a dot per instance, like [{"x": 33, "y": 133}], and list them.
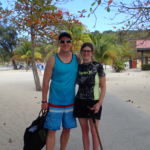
[{"x": 143, "y": 44}]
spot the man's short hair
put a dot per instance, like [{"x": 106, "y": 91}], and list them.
[{"x": 64, "y": 34}]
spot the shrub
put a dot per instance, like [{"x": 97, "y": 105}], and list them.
[
  {"x": 145, "y": 67},
  {"x": 118, "y": 65}
]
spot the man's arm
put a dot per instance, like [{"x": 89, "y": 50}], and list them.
[{"x": 47, "y": 76}]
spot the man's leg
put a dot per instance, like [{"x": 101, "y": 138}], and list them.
[
  {"x": 64, "y": 138},
  {"x": 52, "y": 122},
  {"x": 68, "y": 122},
  {"x": 50, "y": 140}
]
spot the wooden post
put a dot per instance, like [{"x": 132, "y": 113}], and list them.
[{"x": 142, "y": 57}]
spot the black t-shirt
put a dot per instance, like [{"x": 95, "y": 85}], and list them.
[{"x": 88, "y": 80}]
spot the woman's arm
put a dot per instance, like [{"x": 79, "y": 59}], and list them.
[{"x": 96, "y": 107}]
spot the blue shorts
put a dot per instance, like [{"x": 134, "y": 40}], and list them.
[{"x": 60, "y": 114}]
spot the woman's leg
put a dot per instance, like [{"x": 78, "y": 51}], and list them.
[
  {"x": 85, "y": 132},
  {"x": 40, "y": 73},
  {"x": 94, "y": 134}
]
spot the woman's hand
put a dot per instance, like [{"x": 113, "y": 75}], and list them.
[{"x": 96, "y": 107}]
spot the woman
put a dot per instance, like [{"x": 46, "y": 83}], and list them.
[
  {"x": 40, "y": 68},
  {"x": 90, "y": 77}
]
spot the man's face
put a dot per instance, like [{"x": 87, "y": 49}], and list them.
[{"x": 66, "y": 46}]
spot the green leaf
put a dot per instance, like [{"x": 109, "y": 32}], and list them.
[
  {"x": 93, "y": 4},
  {"x": 128, "y": 22},
  {"x": 90, "y": 9},
  {"x": 108, "y": 9},
  {"x": 83, "y": 10},
  {"x": 141, "y": 9},
  {"x": 99, "y": 2},
  {"x": 88, "y": 15}
]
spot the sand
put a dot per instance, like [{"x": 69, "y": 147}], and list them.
[
  {"x": 20, "y": 103},
  {"x": 132, "y": 86}
]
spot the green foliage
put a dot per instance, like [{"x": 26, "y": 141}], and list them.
[
  {"x": 93, "y": 4},
  {"x": 51, "y": 50},
  {"x": 8, "y": 40},
  {"x": 4, "y": 56},
  {"x": 24, "y": 52},
  {"x": 145, "y": 67},
  {"x": 118, "y": 65},
  {"x": 108, "y": 9},
  {"x": 46, "y": 20},
  {"x": 79, "y": 36},
  {"x": 104, "y": 48}
]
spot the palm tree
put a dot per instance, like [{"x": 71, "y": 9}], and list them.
[
  {"x": 125, "y": 53},
  {"x": 24, "y": 52},
  {"x": 105, "y": 48},
  {"x": 127, "y": 50},
  {"x": 51, "y": 49},
  {"x": 79, "y": 36}
]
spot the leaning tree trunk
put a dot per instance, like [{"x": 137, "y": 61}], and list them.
[
  {"x": 14, "y": 64},
  {"x": 27, "y": 66},
  {"x": 34, "y": 68}
]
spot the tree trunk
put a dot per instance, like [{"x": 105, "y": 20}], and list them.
[
  {"x": 14, "y": 64},
  {"x": 34, "y": 68},
  {"x": 27, "y": 66}
]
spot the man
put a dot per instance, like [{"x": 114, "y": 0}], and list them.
[{"x": 61, "y": 69}]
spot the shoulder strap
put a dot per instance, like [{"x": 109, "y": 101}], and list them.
[{"x": 76, "y": 58}]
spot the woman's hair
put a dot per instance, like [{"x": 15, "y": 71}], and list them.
[{"x": 87, "y": 44}]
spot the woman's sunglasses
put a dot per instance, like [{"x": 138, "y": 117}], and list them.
[{"x": 63, "y": 41}]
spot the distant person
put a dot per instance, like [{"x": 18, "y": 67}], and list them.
[
  {"x": 90, "y": 77},
  {"x": 39, "y": 66},
  {"x": 20, "y": 66},
  {"x": 61, "y": 69}
]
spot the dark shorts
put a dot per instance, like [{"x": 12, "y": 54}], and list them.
[{"x": 81, "y": 110}]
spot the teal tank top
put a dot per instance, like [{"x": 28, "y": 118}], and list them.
[{"x": 63, "y": 80}]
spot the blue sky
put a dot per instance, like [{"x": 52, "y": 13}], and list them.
[{"x": 102, "y": 24}]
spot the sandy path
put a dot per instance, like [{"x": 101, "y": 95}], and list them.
[
  {"x": 131, "y": 85},
  {"x": 20, "y": 103}
]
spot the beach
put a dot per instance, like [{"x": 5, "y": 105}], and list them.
[
  {"x": 20, "y": 103},
  {"x": 132, "y": 86}
]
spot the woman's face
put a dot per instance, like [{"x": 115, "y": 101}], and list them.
[{"x": 86, "y": 54}]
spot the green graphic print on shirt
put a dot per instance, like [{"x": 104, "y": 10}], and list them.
[{"x": 88, "y": 80}]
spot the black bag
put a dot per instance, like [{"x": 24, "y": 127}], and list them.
[{"x": 35, "y": 135}]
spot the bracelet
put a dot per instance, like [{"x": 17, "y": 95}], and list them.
[{"x": 43, "y": 101}]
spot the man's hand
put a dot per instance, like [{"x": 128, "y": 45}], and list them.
[{"x": 44, "y": 106}]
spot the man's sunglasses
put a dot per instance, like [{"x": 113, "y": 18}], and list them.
[
  {"x": 63, "y": 41},
  {"x": 84, "y": 51}
]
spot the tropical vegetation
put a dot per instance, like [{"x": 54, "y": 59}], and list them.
[
  {"x": 43, "y": 22},
  {"x": 24, "y": 52}
]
